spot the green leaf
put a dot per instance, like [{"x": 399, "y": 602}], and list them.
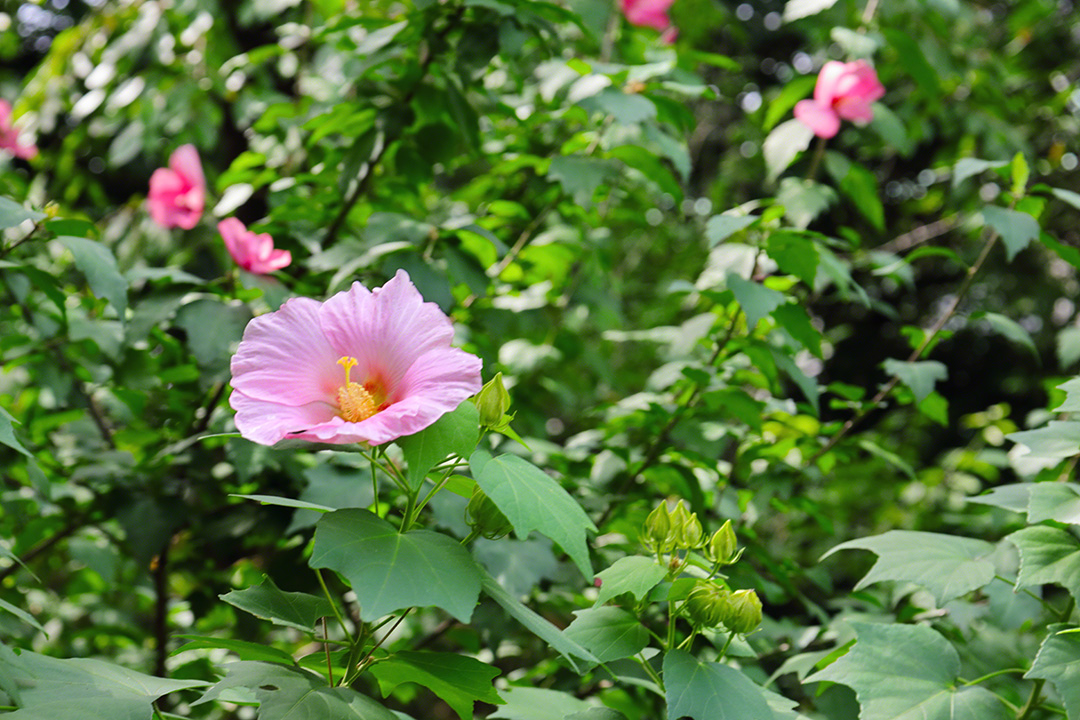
[
  {"x": 1059, "y": 439},
  {"x": 53, "y": 688},
  {"x": 793, "y": 318},
  {"x": 890, "y": 128},
  {"x": 609, "y": 633},
  {"x": 1055, "y": 501},
  {"x": 7, "y": 433},
  {"x": 919, "y": 376},
  {"x": 792, "y": 92},
  {"x": 859, "y": 185},
  {"x": 99, "y": 266},
  {"x": 455, "y": 433},
  {"x": 13, "y": 213},
  {"x": 286, "y": 502},
  {"x": 710, "y": 691},
  {"x": 536, "y": 624},
  {"x": 1017, "y": 229},
  {"x": 914, "y": 62},
  {"x": 804, "y": 200},
  {"x": 650, "y": 166},
  {"x": 949, "y": 566},
  {"x": 1020, "y": 175},
  {"x": 634, "y": 574},
  {"x": 457, "y": 679},
  {"x": 289, "y": 693},
  {"x": 1058, "y": 661},
  {"x": 756, "y": 300},
  {"x": 624, "y": 108},
  {"x": 532, "y": 500},
  {"x": 241, "y": 648},
  {"x": 969, "y": 167},
  {"x": 795, "y": 254},
  {"x": 1010, "y": 329},
  {"x": 720, "y": 227},
  {"x": 213, "y": 331},
  {"x": 22, "y": 615},
  {"x": 1072, "y": 396},
  {"x": 1048, "y": 556},
  {"x": 291, "y": 609},
  {"x": 390, "y": 571},
  {"x": 908, "y": 672},
  {"x": 783, "y": 145},
  {"x": 526, "y": 703},
  {"x": 796, "y": 9},
  {"x": 581, "y": 176}
]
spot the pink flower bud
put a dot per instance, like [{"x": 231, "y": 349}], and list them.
[
  {"x": 649, "y": 13},
  {"x": 253, "y": 252},
  {"x": 9, "y": 135},
  {"x": 843, "y": 91},
  {"x": 178, "y": 192}
]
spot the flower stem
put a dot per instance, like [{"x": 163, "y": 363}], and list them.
[
  {"x": 333, "y": 606},
  {"x": 815, "y": 160},
  {"x": 731, "y": 638}
]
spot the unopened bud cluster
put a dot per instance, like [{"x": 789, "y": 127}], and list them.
[
  {"x": 482, "y": 515},
  {"x": 711, "y": 605},
  {"x": 679, "y": 529}
]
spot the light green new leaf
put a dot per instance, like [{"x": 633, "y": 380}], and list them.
[
  {"x": 908, "y": 672},
  {"x": 947, "y": 565},
  {"x": 532, "y": 500},
  {"x": 783, "y": 145},
  {"x": 291, "y": 609},
  {"x": 102, "y": 274},
  {"x": 1055, "y": 501},
  {"x": 289, "y": 693},
  {"x": 1048, "y": 555},
  {"x": 796, "y": 9},
  {"x": 634, "y": 574},
  {"x": 12, "y": 214},
  {"x": 455, "y": 433},
  {"x": 756, "y": 300},
  {"x": 610, "y": 633},
  {"x": 1072, "y": 396},
  {"x": 51, "y": 688},
  {"x": 390, "y": 571},
  {"x": 1010, "y": 329},
  {"x": 1016, "y": 228},
  {"x": 1059, "y": 439},
  {"x": 720, "y": 227},
  {"x": 536, "y": 624},
  {"x": 920, "y": 376},
  {"x": 1058, "y": 661},
  {"x": 710, "y": 691},
  {"x": 457, "y": 679}
]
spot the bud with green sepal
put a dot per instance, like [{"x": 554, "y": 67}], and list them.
[
  {"x": 721, "y": 548},
  {"x": 493, "y": 401},
  {"x": 708, "y": 605},
  {"x": 657, "y": 535},
  {"x": 744, "y": 612},
  {"x": 686, "y": 528},
  {"x": 484, "y": 517}
]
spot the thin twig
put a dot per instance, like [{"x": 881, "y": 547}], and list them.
[
  {"x": 919, "y": 235},
  {"x": 160, "y": 570}
]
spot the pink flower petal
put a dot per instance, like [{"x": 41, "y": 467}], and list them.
[
  {"x": 386, "y": 329},
  {"x": 268, "y": 422},
  {"x": 822, "y": 119},
  {"x": 178, "y": 193},
  {"x": 828, "y": 80},
  {"x": 185, "y": 162},
  {"x": 285, "y": 358}
]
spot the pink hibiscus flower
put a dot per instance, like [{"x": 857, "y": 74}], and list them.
[
  {"x": 843, "y": 90},
  {"x": 178, "y": 192},
  {"x": 366, "y": 366},
  {"x": 253, "y": 252},
  {"x": 648, "y": 13},
  {"x": 9, "y": 135}
]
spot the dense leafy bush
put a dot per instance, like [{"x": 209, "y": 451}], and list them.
[{"x": 735, "y": 323}]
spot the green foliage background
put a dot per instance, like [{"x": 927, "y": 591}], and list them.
[{"x": 865, "y": 348}]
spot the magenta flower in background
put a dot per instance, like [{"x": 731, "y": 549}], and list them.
[
  {"x": 648, "y": 13},
  {"x": 178, "y": 192},
  {"x": 366, "y": 366},
  {"x": 253, "y": 252},
  {"x": 9, "y": 135},
  {"x": 843, "y": 90}
]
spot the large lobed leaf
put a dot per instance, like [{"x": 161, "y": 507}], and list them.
[
  {"x": 710, "y": 691},
  {"x": 291, "y": 609},
  {"x": 1059, "y": 662},
  {"x": 1048, "y": 556},
  {"x": 457, "y": 679},
  {"x": 908, "y": 672},
  {"x": 390, "y": 571}
]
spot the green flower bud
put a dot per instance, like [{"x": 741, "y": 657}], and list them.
[
  {"x": 482, "y": 515},
  {"x": 657, "y": 530},
  {"x": 745, "y": 611},
  {"x": 721, "y": 547},
  {"x": 686, "y": 528},
  {"x": 492, "y": 401},
  {"x": 707, "y": 605}
]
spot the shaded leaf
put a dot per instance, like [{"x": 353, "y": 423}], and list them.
[
  {"x": 634, "y": 574},
  {"x": 291, "y": 609},
  {"x": 457, "y": 679},
  {"x": 1010, "y": 329},
  {"x": 919, "y": 376},
  {"x": 609, "y": 633},
  {"x": 1059, "y": 439},
  {"x": 1048, "y": 556},
  {"x": 783, "y": 145},
  {"x": 455, "y": 433},
  {"x": 99, "y": 266},
  {"x": 1058, "y": 661},
  {"x": 241, "y": 648},
  {"x": 1017, "y": 229},
  {"x": 13, "y": 213},
  {"x": 756, "y": 300},
  {"x": 710, "y": 691},
  {"x": 720, "y": 227}
]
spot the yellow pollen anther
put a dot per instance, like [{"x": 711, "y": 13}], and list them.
[{"x": 355, "y": 402}]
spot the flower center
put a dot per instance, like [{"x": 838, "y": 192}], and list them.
[{"x": 354, "y": 400}]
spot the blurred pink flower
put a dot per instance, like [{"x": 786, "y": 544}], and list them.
[
  {"x": 253, "y": 252},
  {"x": 366, "y": 366},
  {"x": 648, "y": 13},
  {"x": 178, "y": 192},
  {"x": 9, "y": 135},
  {"x": 843, "y": 90}
]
